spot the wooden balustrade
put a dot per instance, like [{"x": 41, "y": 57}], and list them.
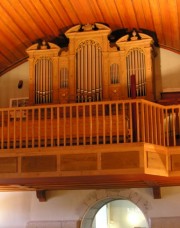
[{"x": 107, "y": 122}]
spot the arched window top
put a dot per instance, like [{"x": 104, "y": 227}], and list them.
[
  {"x": 136, "y": 49},
  {"x": 43, "y": 58},
  {"x": 88, "y": 42}
]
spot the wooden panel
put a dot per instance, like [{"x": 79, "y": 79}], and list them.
[
  {"x": 77, "y": 162},
  {"x": 120, "y": 160},
  {"x": 175, "y": 162},
  {"x": 39, "y": 163},
  {"x": 156, "y": 160},
  {"x": 8, "y": 165}
]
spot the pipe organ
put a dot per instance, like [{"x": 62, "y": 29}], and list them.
[{"x": 90, "y": 68}]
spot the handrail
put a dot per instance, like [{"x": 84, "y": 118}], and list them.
[{"x": 104, "y": 122}]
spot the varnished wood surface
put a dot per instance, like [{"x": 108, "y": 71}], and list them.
[
  {"x": 148, "y": 161},
  {"x": 132, "y": 165},
  {"x": 24, "y": 22}
]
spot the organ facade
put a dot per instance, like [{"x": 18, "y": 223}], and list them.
[{"x": 91, "y": 67}]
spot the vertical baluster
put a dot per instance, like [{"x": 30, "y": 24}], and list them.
[
  {"x": 130, "y": 122},
  {"x": 8, "y": 129},
  {"x": 52, "y": 126},
  {"x": 45, "y": 126},
  {"x": 39, "y": 127},
  {"x": 142, "y": 128},
  {"x": 77, "y": 125},
  {"x": 138, "y": 122},
  {"x": 173, "y": 127},
  {"x": 64, "y": 124},
  {"x": 155, "y": 124},
  {"x": 152, "y": 124},
  {"x": 97, "y": 123},
  {"x": 33, "y": 127},
  {"x": 27, "y": 127},
  {"x": 163, "y": 127},
  {"x": 84, "y": 125},
  {"x": 110, "y": 122},
  {"x": 117, "y": 122},
  {"x": 20, "y": 128},
  {"x": 58, "y": 125},
  {"x": 90, "y": 123},
  {"x": 167, "y": 126},
  {"x": 124, "y": 122},
  {"x": 104, "y": 123},
  {"x": 71, "y": 121},
  {"x": 158, "y": 128}
]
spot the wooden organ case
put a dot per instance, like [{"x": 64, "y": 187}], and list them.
[{"x": 90, "y": 68}]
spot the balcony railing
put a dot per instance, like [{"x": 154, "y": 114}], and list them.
[{"x": 92, "y": 123}]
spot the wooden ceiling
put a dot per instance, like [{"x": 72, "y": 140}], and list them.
[{"x": 23, "y": 22}]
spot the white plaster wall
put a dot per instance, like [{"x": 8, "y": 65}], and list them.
[
  {"x": 9, "y": 84},
  {"x": 170, "y": 70},
  {"x": 18, "y": 208},
  {"x": 15, "y": 209}
]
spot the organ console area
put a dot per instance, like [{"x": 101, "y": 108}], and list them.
[{"x": 91, "y": 67}]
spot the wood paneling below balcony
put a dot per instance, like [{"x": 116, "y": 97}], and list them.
[{"x": 95, "y": 166}]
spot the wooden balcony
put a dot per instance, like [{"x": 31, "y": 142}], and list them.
[{"x": 89, "y": 145}]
